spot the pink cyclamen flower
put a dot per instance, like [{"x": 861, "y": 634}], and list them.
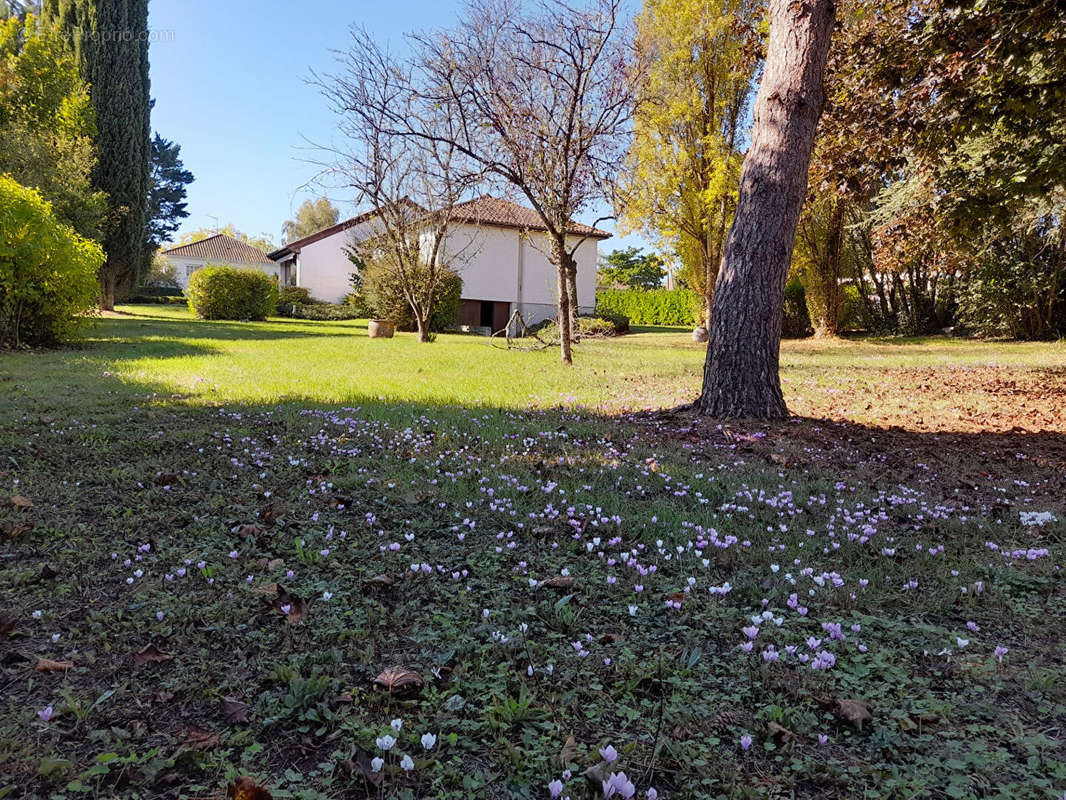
[
  {"x": 999, "y": 652},
  {"x": 159, "y": 615},
  {"x": 46, "y": 713},
  {"x": 822, "y": 738},
  {"x": 745, "y": 742},
  {"x": 618, "y": 784},
  {"x": 609, "y": 754},
  {"x": 555, "y": 788}
]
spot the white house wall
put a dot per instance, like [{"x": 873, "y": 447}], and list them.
[
  {"x": 323, "y": 267},
  {"x": 495, "y": 263}
]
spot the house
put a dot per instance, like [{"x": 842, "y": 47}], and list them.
[
  {"x": 217, "y": 249},
  {"x": 499, "y": 249}
]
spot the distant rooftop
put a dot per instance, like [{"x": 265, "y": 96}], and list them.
[{"x": 221, "y": 247}]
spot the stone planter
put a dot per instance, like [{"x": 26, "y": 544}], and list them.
[
  {"x": 381, "y": 329},
  {"x": 700, "y": 334}
]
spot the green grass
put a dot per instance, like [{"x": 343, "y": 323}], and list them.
[{"x": 219, "y": 457}]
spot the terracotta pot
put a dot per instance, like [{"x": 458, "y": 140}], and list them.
[{"x": 381, "y": 329}]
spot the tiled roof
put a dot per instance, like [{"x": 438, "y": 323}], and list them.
[
  {"x": 489, "y": 210},
  {"x": 220, "y": 247},
  {"x": 485, "y": 210}
]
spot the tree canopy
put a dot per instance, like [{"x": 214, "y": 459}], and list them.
[{"x": 311, "y": 217}]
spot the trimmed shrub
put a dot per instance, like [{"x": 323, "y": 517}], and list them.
[
  {"x": 796, "y": 323},
  {"x": 156, "y": 290},
  {"x": 159, "y": 300},
  {"x": 322, "y": 311},
  {"x": 221, "y": 292},
  {"x": 588, "y": 328},
  {"x": 650, "y": 306},
  {"x": 47, "y": 272},
  {"x": 289, "y": 296},
  {"x": 384, "y": 299}
]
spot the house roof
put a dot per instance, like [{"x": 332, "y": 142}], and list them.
[
  {"x": 495, "y": 211},
  {"x": 299, "y": 244},
  {"x": 220, "y": 247},
  {"x": 484, "y": 210}
]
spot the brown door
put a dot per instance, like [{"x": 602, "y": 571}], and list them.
[{"x": 501, "y": 313}]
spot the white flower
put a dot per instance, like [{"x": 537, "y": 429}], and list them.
[
  {"x": 37, "y": 614},
  {"x": 428, "y": 740},
  {"x": 407, "y": 763},
  {"x": 327, "y": 596},
  {"x": 396, "y": 725},
  {"x": 961, "y": 642},
  {"x": 632, "y": 611},
  {"x": 1034, "y": 519},
  {"x": 376, "y": 764},
  {"x": 385, "y": 742}
]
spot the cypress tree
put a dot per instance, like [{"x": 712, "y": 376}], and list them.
[{"x": 109, "y": 39}]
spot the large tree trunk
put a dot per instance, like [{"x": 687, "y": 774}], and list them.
[
  {"x": 827, "y": 323},
  {"x": 740, "y": 378},
  {"x": 571, "y": 295},
  {"x": 107, "y": 289},
  {"x": 561, "y": 260}
]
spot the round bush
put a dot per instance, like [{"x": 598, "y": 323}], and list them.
[
  {"x": 48, "y": 273},
  {"x": 221, "y": 292},
  {"x": 385, "y": 299}
]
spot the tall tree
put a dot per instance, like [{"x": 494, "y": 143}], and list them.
[
  {"x": 109, "y": 39},
  {"x": 540, "y": 99},
  {"x": 47, "y": 124},
  {"x": 740, "y": 378},
  {"x": 166, "y": 193},
  {"x": 311, "y": 217},
  {"x": 679, "y": 185},
  {"x": 631, "y": 268},
  {"x": 413, "y": 183}
]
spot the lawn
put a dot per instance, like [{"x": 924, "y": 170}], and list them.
[{"x": 282, "y": 551}]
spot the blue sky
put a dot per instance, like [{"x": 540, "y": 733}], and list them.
[{"x": 229, "y": 81}]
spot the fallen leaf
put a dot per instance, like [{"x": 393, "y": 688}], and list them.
[
  {"x": 854, "y": 711},
  {"x": 7, "y": 624},
  {"x": 397, "y": 680},
  {"x": 291, "y": 606},
  {"x": 380, "y": 582},
  {"x": 249, "y": 531},
  {"x": 360, "y": 765},
  {"x": 166, "y": 479},
  {"x": 235, "y": 710},
  {"x": 152, "y": 655},
  {"x": 21, "y": 502},
  {"x": 196, "y": 738},
  {"x": 47, "y": 665},
  {"x": 18, "y": 528},
  {"x": 558, "y": 582},
  {"x": 569, "y": 754},
  {"x": 245, "y": 788},
  {"x": 268, "y": 590},
  {"x": 779, "y": 732},
  {"x": 48, "y": 573}
]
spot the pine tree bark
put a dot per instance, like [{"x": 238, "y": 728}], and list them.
[{"x": 740, "y": 377}]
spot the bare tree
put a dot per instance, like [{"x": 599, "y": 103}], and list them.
[
  {"x": 539, "y": 100},
  {"x": 412, "y": 184},
  {"x": 740, "y": 378}
]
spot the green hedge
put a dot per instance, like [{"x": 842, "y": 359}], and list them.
[
  {"x": 47, "y": 272},
  {"x": 220, "y": 292},
  {"x": 321, "y": 311},
  {"x": 154, "y": 299},
  {"x": 650, "y": 306}
]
